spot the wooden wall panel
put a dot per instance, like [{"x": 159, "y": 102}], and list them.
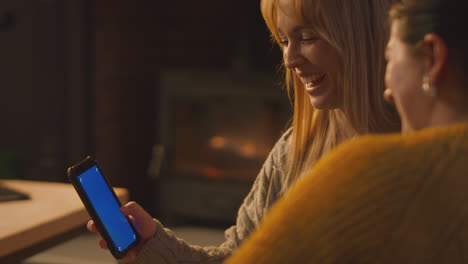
[{"x": 126, "y": 75}]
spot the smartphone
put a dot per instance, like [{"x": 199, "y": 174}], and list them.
[{"x": 103, "y": 206}]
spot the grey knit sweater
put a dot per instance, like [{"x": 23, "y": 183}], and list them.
[{"x": 165, "y": 247}]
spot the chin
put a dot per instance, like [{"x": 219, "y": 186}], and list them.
[{"x": 322, "y": 104}]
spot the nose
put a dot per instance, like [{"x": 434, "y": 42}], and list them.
[{"x": 292, "y": 56}]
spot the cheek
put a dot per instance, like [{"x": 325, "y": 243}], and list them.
[
  {"x": 404, "y": 81},
  {"x": 331, "y": 60},
  {"x": 331, "y": 63},
  {"x": 322, "y": 55},
  {"x": 394, "y": 79},
  {"x": 328, "y": 60}
]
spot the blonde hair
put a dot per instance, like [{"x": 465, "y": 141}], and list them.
[{"x": 358, "y": 31}]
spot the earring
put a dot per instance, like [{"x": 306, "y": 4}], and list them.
[{"x": 428, "y": 88}]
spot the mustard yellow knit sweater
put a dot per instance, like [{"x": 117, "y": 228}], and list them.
[{"x": 377, "y": 199}]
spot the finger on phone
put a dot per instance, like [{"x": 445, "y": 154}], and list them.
[
  {"x": 131, "y": 256},
  {"x": 132, "y": 219},
  {"x": 132, "y": 208},
  {"x": 91, "y": 226},
  {"x": 135, "y": 212},
  {"x": 102, "y": 244}
]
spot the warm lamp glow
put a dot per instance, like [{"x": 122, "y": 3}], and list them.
[
  {"x": 217, "y": 142},
  {"x": 248, "y": 150},
  {"x": 212, "y": 173}
]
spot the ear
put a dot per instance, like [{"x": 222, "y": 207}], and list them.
[{"x": 435, "y": 50}]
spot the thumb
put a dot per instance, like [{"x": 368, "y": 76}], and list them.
[
  {"x": 134, "y": 209},
  {"x": 144, "y": 222}
]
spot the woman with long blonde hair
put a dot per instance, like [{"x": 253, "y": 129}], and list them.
[
  {"x": 334, "y": 66},
  {"x": 356, "y": 33}
]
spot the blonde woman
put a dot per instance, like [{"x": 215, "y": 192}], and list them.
[
  {"x": 334, "y": 67},
  {"x": 339, "y": 44},
  {"x": 399, "y": 198}
]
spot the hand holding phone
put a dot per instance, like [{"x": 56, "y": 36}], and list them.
[
  {"x": 145, "y": 224},
  {"x": 103, "y": 207}
]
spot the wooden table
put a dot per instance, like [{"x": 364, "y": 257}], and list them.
[{"x": 52, "y": 215}]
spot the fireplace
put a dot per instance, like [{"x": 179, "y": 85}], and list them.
[{"x": 217, "y": 129}]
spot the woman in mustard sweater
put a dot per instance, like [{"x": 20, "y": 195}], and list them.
[{"x": 398, "y": 198}]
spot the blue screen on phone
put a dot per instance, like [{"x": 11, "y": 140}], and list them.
[{"x": 107, "y": 208}]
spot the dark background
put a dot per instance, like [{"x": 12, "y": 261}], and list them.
[{"x": 81, "y": 77}]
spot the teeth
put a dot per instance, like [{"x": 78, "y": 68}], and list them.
[{"x": 314, "y": 79}]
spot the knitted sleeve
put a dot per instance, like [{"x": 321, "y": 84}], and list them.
[{"x": 165, "y": 247}]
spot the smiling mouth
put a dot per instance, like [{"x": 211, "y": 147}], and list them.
[{"x": 315, "y": 81}]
